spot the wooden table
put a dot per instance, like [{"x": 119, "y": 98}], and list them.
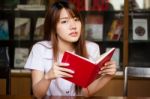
[{"x": 69, "y": 97}]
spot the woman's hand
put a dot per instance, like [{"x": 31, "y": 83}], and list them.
[
  {"x": 108, "y": 69},
  {"x": 59, "y": 70}
]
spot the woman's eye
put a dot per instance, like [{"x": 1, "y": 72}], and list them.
[
  {"x": 76, "y": 19},
  {"x": 64, "y": 21}
]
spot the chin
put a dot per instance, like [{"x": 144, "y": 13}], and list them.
[{"x": 73, "y": 40}]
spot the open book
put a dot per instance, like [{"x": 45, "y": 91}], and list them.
[{"x": 86, "y": 71}]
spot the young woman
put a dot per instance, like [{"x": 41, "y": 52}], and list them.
[{"x": 64, "y": 29}]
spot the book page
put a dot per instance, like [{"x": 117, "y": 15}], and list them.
[
  {"x": 116, "y": 56},
  {"x": 86, "y": 59},
  {"x": 105, "y": 55},
  {"x": 100, "y": 58}
]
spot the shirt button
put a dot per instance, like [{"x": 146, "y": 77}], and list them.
[{"x": 67, "y": 92}]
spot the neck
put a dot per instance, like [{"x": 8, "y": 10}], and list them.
[{"x": 65, "y": 46}]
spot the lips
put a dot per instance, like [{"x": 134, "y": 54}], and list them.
[{"x": 73, "y": 34}]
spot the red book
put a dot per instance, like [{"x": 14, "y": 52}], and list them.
[{"x": 86, "y": 71}]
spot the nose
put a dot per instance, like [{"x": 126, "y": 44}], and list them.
[{"x": 72, "y": 24}]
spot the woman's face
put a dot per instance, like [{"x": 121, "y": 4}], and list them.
[{"x": 68, "y": 28}]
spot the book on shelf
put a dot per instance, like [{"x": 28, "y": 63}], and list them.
[
  {"x": 99, "y": 5},
  {"x": 30, "y": 7},
  {"x": 115, "y": 56},
  {"x": 52, "y": 1},
  {"x": 80, "y": 4},
  {"x": 115, "y": 30},
  {"x": 4, "y": 57},
  {"x": 37, "y": 2},
  {"x": 8, "y": 4},
  {"x": 87, "y": 5},
  {"x": 20, "y": 57},
  {"x": 133, "y": 5},
  {"x": 140, "y": 30},
  {"x": 39, "y": 29},
  {"x": 147, "y": 4},
  {"x": 117, "y": 6},
  {"x": 22, "y": 29},
  {"x": 86, "y": 71},
  {"x": 4, "y": 30},
  {"x": 94, "y": 27}
]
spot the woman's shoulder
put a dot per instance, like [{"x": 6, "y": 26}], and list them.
[
  {"x": 91, "y": 44},
  {"x": 43, "y": 44},
  {"x": 92, "y": 47}
]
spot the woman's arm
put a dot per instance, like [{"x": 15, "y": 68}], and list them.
[
  {"x": 41, "y": 81},
  {"x": 107, "y": 73}
]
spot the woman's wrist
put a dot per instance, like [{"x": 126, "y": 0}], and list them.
[{"x": 48, "y": 76}]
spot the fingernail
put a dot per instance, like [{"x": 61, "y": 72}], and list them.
[
  {"x": 99, "y": 72},
  {"x": 73, "y": 72},
  {"x": 67, "y": 64}
]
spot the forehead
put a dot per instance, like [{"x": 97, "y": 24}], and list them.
[{"x": 66, "y": 13}]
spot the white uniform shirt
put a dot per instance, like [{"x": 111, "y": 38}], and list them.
[{"x": 41, "y": 58}]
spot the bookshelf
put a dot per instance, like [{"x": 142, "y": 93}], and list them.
[
  {"x": 128, "y": 47},
  {"x": 25, "y": 42},
  {"x": 108, "y": 16},
  {"x": 111, "y": 28},
  {"x": 139, "y": 33}
]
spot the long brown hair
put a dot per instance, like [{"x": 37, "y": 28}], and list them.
[{"x": 51, "y": 19}]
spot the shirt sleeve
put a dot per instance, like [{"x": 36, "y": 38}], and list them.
[
  {"x": 34, "y": 60},
  {"x": 93, "y": 51}
]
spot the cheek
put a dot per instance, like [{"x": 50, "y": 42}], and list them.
[
  {"x": 60, "y": 30},
  {"x": 79, "y": 26}
]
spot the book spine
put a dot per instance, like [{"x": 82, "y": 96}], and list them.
[
  {"x": 99, "y": 5},
  {"x": 80, "y": 4},
  {"x": 94, "y": 74}
]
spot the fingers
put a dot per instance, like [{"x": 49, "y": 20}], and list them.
[
  {"x": 64, "y": 74},
  {"x": 109, "y": 68},
  {"x": 60, "y": 70},
  {"x": 65, "y": 70},
  {"x": 61, "y": 67}
]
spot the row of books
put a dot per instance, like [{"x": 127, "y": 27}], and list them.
[
  {"x": 139, "y": 29},
  {"x": 139, "y": 4},
  {"x": 21, "y": 54},
  {"x": 22, "y": 29},
  {"x": 93, "y": 27},
  {"x": 82, "y": 5},
  {"x": 20, "y": 57},
  {"x": 98, "y": 5}
]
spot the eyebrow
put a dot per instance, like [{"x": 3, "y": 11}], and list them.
[
  {"x": 67, "y": 17},
  {"x": 64, "y": 18}
]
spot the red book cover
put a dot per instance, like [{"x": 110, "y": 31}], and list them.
[{"x": 86, "y": 71}]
